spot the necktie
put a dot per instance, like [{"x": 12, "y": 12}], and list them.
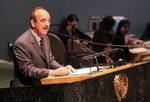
[{"x": 44, "y": 47}]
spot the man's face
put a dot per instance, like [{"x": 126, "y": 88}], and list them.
[{"x": 41, "y": 22}]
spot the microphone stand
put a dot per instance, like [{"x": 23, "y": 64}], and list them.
[
  {"x": 95, "y": 55},
  {"x": 97, "y": 63},
  {"x": 109, "y": 61},
  {"x": 99, "y": 53},
  {"x": 90, "y": 67}
]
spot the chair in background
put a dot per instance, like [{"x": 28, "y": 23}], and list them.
[{"x": 57, "y": 47}]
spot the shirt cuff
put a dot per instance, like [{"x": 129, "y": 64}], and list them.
[{"x": 50, "y": 72}]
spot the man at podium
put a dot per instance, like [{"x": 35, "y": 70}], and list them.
[{"x": 33, "y": 59}]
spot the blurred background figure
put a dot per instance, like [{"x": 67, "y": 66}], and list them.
[
  {"x": 146, "y": 34},
  {"x": 104, "y": 35},
  {"x": 120, "y": 39},
  {"x": 70, "y": 26}
]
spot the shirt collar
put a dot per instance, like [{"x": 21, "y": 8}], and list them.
[{"x": 36, "y": 36}]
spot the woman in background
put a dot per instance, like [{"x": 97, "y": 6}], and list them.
[
  {"x": 104, "y": 36},
  {"x": 120, "y": 39}
]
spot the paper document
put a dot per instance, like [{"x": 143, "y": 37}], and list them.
[
  {"x": 139, "y": 50},
  {"x": 86, "y": 70}
]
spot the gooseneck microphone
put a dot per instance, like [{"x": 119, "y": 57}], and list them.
[
  {"x": 99, "y": 54},
  {"x": 95, "y": 55}
]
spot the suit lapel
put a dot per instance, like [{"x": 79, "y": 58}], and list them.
[{"x": 36, "y": 46}]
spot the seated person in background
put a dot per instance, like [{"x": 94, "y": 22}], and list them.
[
  {"x": 130, "y": 39},
  {"x": 70, "y": 27},
  {"x": 146, "y": 34},
  {"x": 119, "y": 39},
  {"x": 104, "y": 36},
  {"x": 104, "y": 33},
  {"x": 105, "y": 58},
  {"x": 33, "y": 59}
]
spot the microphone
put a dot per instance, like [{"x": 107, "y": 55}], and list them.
[
  {"x": 99, "y": 54},
  {"x": 88, "y": 57}
]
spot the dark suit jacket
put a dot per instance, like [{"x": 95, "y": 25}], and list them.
[
  {"x": 103, "y": 37},
  {"x": 29, "y": 61},
  {"x": 76, "y": 33}
]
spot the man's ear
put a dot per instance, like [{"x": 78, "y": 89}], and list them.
[{"x": 32, "y": 23}]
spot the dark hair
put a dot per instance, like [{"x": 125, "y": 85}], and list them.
[
  {"x": 122, "y": 23},
  {"x": 69, "y": 18},
  {"x": 107, "y": 23},
  {"x": 147, "y": 29},
  {"x": 119, "y": 38},
  {"x": 72, "y": 18}
]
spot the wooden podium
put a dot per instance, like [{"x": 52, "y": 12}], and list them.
[
  {"x": 101, "y": 86},
  {"x": 125, "y": 83},
  {"x": 78, "y": 78}
]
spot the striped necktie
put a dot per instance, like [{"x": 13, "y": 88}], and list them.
[{"x": 44, "y": 47}]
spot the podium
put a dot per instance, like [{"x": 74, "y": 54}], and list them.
[
  {"x": 94, "y": 87},
  {"x": 78, "y": 78}
]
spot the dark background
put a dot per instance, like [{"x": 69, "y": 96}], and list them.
[{"x": 14, "y": 15}]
